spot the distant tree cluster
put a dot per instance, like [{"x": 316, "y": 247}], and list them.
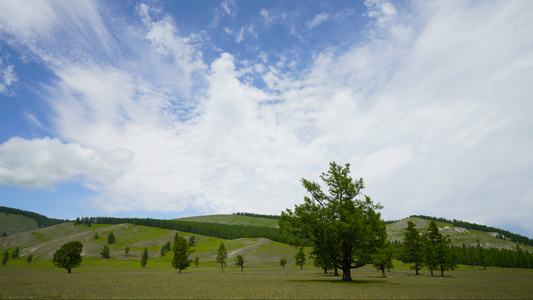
[
  {"x": 483, "y": 228},
  {"x": 246, "y": 214}
]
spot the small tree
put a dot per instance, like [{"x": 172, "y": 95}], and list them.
[
  {"x": 192, "y": 241},
  {"x": 16, "y": 253},
  {"x": 481, "y": 253},
  {"x": 30, "y": 258},
  {"x": 111, "y": 238},
  {"x": 383, "y": 258},
  {"x": 4, "y": 234},
  {"x": 321, "y": 261},
  {"x": 144, "y": 258},
  {"x": 413, "y": 247},
  {"x": 5, "y": 259},
  {"x": 300, "y": 258},
  {"x": 126, "y": 250},
  {"x": 105, "y": 252},
  {"x": 239, "y": 261},
  {"x": 96, "y": 236},
  {"x": 182, "y": 251},
  {"x": 68, "y": 256},
  {"x": 282, "y": 263},
  {"x": 197, "y": 261},
  {"x": 222, "y": 254}
]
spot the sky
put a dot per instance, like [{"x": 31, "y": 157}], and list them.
[{"x": 167, "y": 109}]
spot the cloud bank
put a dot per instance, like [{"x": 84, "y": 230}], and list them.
[{"x": 431, "y": 107}]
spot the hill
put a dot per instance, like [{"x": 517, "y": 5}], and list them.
[
  {"x": 43, "y": 242},
  {"x": 11, "y": 224}
]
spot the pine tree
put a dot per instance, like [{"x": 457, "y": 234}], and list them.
[
  {"x": 111, "y": 238},
  {"x": 197, "y": 261},
  {"x": 16, "y": 253},
  {"x": 300, "y": 258},
  {"x": 105, "y": 252},
  {"x": 438, "y": 252},
  {"x": 222, "y": 254},
  {"x": 182, "y": 251},
  {"x": 30, "y": 258},
  {"x": 6, "y": 258},
  {"x": 192, "y": 241},
  {"x": 239, "y": 261},
  {"x": 144, "y": 258},
  {"x": 481, "y": 255},
  {"x": 96, "y": 236},
  {"x": 413, "y": 248},
  {"x": 126, "y": 250}
]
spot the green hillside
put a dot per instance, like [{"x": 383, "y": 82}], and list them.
[
  {"x": 234, "y": 220},
  {"x": 11, "y": 224},
  {"x": 458, "y": 235},
  {"x": 42, "y": 243}
]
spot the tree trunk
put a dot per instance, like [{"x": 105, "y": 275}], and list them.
[
  {"x": 242, "y": 268},
  {"x": 346, "y": 274},
  {"x": 431, "y": 270},
  {"x": 383, "y": 273},
  {"x": 441, "y": 271},
  {"x": 336, "y": 272},
  {"x": 69, "y": 270}
]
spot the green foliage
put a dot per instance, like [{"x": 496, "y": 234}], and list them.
[
  {"x": 413, "y": 248},
  {"x": 5, "y": 259},
  {"x": 105, "y": 252},
  {"x": 321, "y": 261},
  {"x": 282, "y": 263},
  {"x": 300, "y": 258},
  {"x": 192, "y": 241},
  {"x": 346, "y": 229},
  {"x": 4, "y": 234},
  {"x": 68, "y": 256},
  {"x": 126, "y": 250},
  {"x": 196, "y": 261},
  {"x": 222, "y": 255},
  {"x": 96, "y": 236},
  {"x": 111, "y": 238},
  {"x": 165, "y": 248},
  {"x": 182, "y": 251},
  {"x": 144, "y": 258},
  {"x": 256, "y": 215},
  {"x": 29, "y": 258},
  {"x": 383, "y": 258},
  {"x": 239, "y": 261},
  {"x": 439, "y": 254},
  {"x": 16, "y": 253}
]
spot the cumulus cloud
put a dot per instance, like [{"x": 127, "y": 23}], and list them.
[
  {"x": 433, "y": 114},
  {"x": 41, "y": 163}
]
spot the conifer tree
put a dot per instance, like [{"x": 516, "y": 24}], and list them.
[
  {"x": 144, "y": 258},
  {"x": 413, "y": 247},
  {"x": 105, "y": 252},
  {"x": 481, "y": 255},
  {"x": 30, "y": 258},
  {"x": 182, "y": 251},
  {"x": 126, "y": 250},
  {"x": 438, "y": 252},
  {"x": 197, "y": 261},
  {"x": 5, "y": 258},
  {"x": 239, "y": 261},
  {"x": 383, "y": 258},
  {"x": 222, "y": 254},
  {"x": 111, "y": 238},
  {"x": 16, "y": 253}
]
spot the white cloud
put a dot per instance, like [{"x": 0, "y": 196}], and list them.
[
  {"x": 8, "y": 77},
  {"x": 432, "y": 111},
  {"x": 41, "y": 163},
  {"x": 317, "y": 20}
]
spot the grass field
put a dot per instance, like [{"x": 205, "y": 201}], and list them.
[{"x": 98, "y": 278}]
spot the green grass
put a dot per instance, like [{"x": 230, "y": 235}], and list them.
[
  {"x": 126, "y": 279},
  {"x": 11, "y": 224}
]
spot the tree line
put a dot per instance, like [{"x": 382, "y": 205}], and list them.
[
  {"x": 223, "y": 231},
  {"x": 246, "y": 214},
  {"x": 502, "y": 234},
  {"x": 42, "y": 221}
]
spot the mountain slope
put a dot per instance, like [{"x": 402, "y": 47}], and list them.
[{"x": 11, "y": 224}]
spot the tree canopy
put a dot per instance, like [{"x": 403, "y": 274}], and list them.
[
  {"x": 182, "y": 251},
  {"x": 345, "y": 228},
  {"x": 68, "y": 256}
]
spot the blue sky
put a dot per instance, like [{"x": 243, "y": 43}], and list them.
[{"x": 168, "y": 109}]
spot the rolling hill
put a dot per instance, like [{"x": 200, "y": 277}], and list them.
[{"x": 42, "y": 242}]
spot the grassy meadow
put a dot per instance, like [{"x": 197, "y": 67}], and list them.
[{"x": 99, "y": 278}]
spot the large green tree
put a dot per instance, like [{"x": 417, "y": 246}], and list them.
[
  {"x": 439, "y": 254},
  {"x": 68, "y": 256},
  {"x": 222, "y": 255},
  {"x": 345, "y": 228},
  {"x": 182, "y": 251},
  {"x": 414, "y": 250}
]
